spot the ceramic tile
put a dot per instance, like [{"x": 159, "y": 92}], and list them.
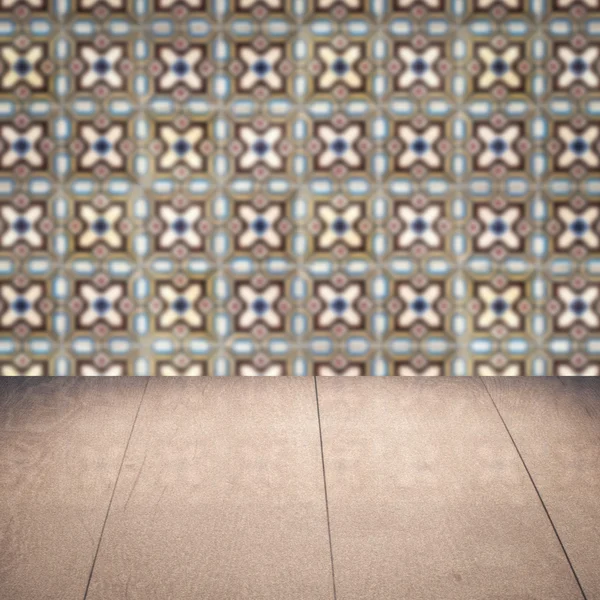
[{"x": 299, "y": 187}]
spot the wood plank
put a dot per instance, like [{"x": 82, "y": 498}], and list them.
[
  {"x": 61, "y": 444},
  {"x": 428, "y": 497},
  {"x": 556, "y": 426},
  {"x": 221, "y": 496}
]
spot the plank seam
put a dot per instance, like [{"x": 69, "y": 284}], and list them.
[
  {"x": 539, "y": 495},
  {"x": 325, "y": 488},
  {"x": 87, "y": 587}
]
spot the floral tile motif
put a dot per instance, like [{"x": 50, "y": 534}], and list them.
[{"x": 298, "y": 187}]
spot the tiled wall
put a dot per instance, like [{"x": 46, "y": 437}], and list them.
[{"x": 299, "y": 187}]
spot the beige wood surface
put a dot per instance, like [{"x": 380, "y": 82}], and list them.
[
  {"x": 220, "y": 490},
  {"x": 61, "y": 444},
  {"x": 556, "y": 426},
  {"x": 221, "y": 496},
  {"x": 428, "y": 498}
]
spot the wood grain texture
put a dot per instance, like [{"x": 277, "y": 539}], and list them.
[
  {"x": 221, "y": 496},
  {"x": 61, "y": 444},
  {"x": 556, "y": 425},
  {"x": 428, "y": 497}
]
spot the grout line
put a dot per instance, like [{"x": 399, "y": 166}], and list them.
[
  {"x": 325, "y": 488},
  {"x": 87, "y": 587},
  {"x": 536, "y": 490}
]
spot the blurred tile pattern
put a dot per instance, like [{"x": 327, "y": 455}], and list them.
[{"x": 299, "y": 187}]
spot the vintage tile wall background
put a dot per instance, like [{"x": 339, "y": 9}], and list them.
[{"x": 299, "y": 186}]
